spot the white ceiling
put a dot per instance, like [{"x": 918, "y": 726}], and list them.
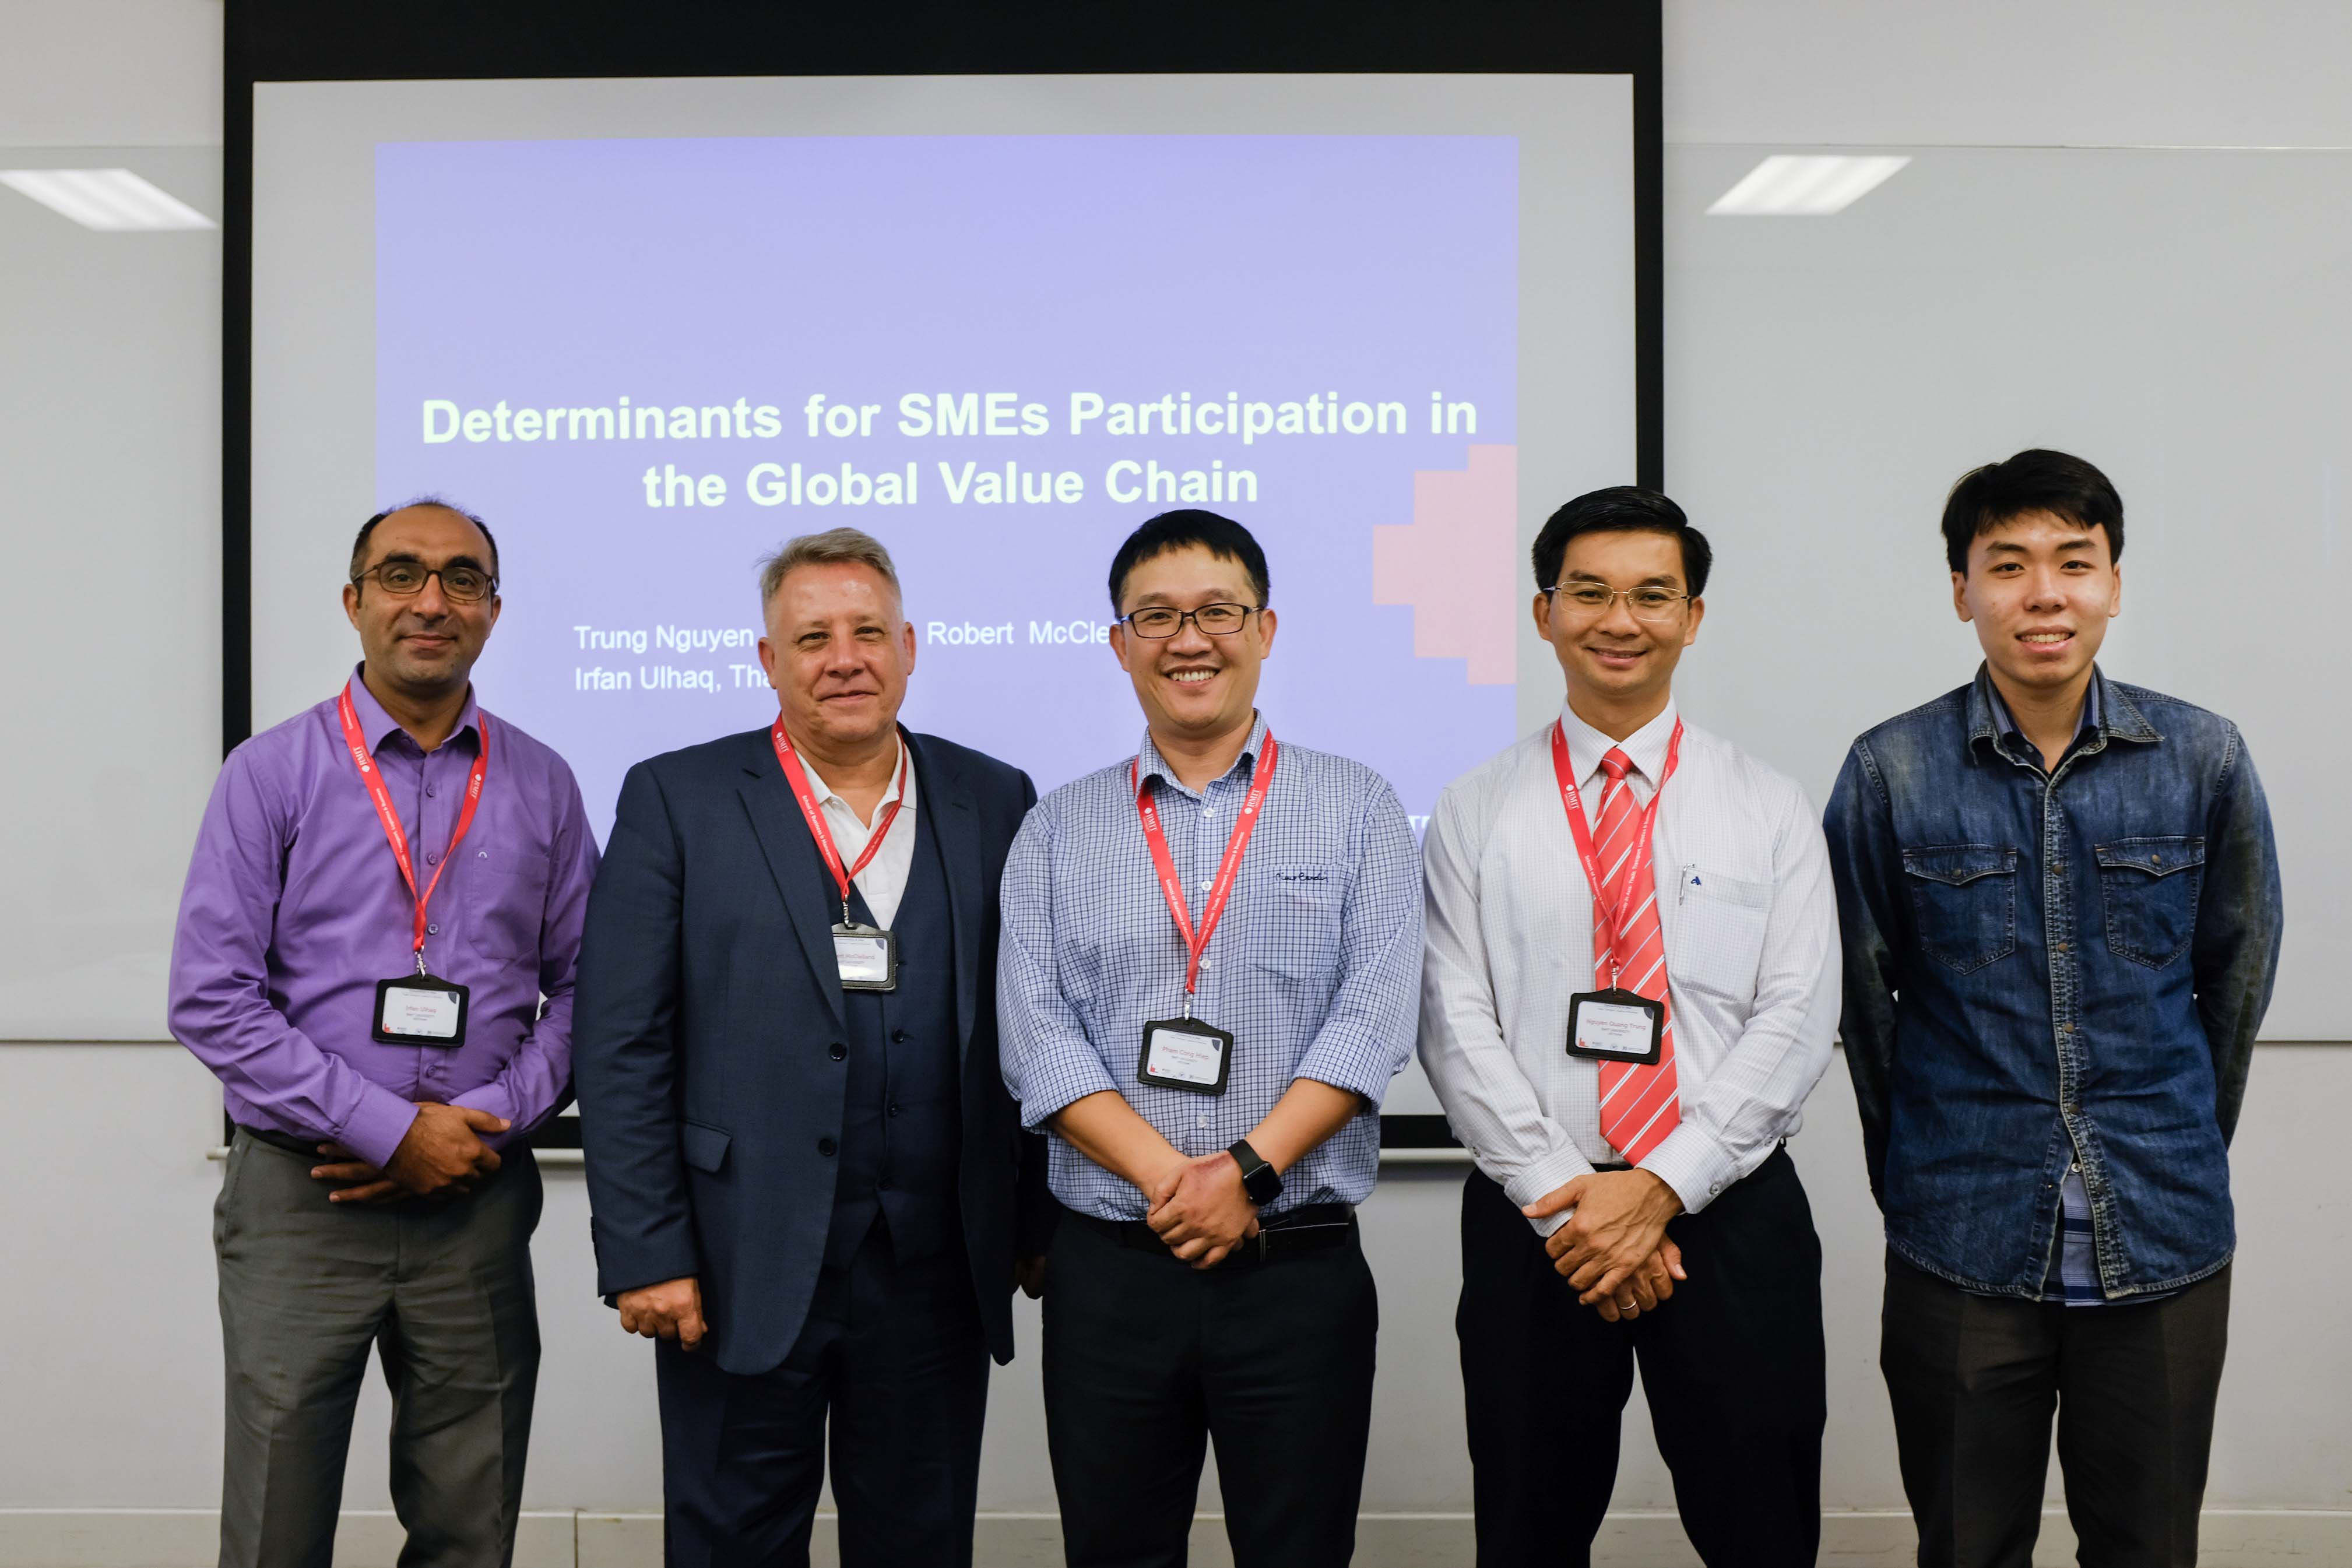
[{"x": 134, "y": 73}]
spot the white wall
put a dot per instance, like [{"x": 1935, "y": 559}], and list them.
[{"x": 109, "y": 411}]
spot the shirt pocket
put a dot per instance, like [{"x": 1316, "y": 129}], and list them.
[
  {"x": 1963, "y": 902},
  {"x": 2148, "y": 888},
  {"x": 1295, "y": 930},
  {"x": 510, "y": 890},
  {"x": 1720, "y": 926}
]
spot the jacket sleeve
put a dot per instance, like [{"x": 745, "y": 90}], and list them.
[
  {"x": 625, "y": 1049},
  {"x": 2239, "y": 917},
  {"x": 1866, "y": 866}
]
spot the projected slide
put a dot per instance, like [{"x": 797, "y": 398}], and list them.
[{"x": 647, "y": 362}]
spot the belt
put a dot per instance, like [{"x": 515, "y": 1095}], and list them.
[
  {"x": 1294, "y": 1232},
  {"x": 306, "y": 1147}
]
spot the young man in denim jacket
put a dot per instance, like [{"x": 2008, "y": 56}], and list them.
[{"x": 2060, "y": 910}]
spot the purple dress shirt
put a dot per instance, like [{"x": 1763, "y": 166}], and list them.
[{"x": 295, "y": 908}]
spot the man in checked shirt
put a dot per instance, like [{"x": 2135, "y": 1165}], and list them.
[
  {"x": 1205, "y": 985},
  {"x": 1631, "y": 987}
]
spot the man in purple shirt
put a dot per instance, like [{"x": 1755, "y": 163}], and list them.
[{"x": 377, "y": 963}]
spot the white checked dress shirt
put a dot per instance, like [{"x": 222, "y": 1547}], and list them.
[
  {"x": 1311, "y": 968},
  {"x": 884, "y": 881},
  {"x": 1750, "y": 922}
]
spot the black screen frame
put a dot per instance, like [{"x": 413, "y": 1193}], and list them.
[{"x": 403, "y": 40}]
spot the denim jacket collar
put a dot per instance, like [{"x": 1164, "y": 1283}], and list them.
[{"x": 2119, "y": 718}]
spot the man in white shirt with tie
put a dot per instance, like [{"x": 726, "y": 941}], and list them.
[{"x": 1630, "y": 986}]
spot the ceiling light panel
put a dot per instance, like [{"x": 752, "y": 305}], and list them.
[
  {"x": 113, "y": 199},
  {"x": 1789, "y": 185}
]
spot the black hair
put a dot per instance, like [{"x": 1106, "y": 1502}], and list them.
[
  {"x": 367, "y": 530},
  {"x": 2036, "y": 480},
  {"x": 1621, "y": 509},
  {"x": 1220, "y": 536}
]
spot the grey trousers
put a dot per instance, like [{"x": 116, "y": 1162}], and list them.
[{"x": 442, "y": 1292}]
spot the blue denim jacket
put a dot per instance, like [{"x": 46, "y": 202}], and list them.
[{"x": 2045, "y": 967}]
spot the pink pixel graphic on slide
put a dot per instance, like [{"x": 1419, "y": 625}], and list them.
[{"x": 1454, "y": 563}]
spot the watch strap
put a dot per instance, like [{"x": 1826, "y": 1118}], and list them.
[{"x": 1260, "y": 1182}]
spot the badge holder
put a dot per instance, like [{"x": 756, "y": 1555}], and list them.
[
  {"x": 1616, "y": 1026},
  {"x": 1186, "y": 1054},
  {"x": 421, "y": 1010},
  {"x": 868, "y": 956}
]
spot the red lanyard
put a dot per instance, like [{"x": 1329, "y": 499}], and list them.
[
  {"x": 389, "y": 815},
  {"x": 797, "y": 777},
  {"x": 1605, "y": 910},
  {"x": 1171, "y": 886}
]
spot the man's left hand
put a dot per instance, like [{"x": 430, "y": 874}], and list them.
[
  {"x": 1200, "y": 1211},
  {"x": 354, "y": 1179},
  {"x": 1029, "y": 1274},
  {"x": 1619, "y": 1218}
]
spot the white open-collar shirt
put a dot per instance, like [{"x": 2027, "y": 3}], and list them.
[
  {"x": 884, "y": 881},
  {"x": 1749, "y": 924}
]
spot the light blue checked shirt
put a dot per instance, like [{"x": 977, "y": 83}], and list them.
[{"x": 1313, "y": 968}]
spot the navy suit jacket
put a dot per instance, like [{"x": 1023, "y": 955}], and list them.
[{"x": 704, "y": 1026}]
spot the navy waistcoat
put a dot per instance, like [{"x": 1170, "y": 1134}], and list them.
[{"x": 901, "y": 1121}]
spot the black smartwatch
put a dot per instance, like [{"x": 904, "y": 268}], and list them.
[{"x": 1261, "y": 1182}]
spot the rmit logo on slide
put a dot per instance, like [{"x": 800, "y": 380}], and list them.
[{"x": 1455, "y": 562}]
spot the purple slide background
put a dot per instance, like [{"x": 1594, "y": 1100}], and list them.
[{"x": 698, "y": 272}]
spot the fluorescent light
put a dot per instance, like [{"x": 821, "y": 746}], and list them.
[
  {"x": 105, "y": 198},
  {"x": 1786, "y": 185}
]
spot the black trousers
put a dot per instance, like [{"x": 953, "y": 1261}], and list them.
[
  {"x": 1147, "y": 1359},
  {"x": 1733, "y": 1368},
  {"x": 893, "y": 1353},
  {"x": 1975, "y": 1379}
]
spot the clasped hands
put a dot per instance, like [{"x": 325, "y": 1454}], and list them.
[
  {"x": 1199, "y": 1209},
  {"x": 441, "y": 1156},
  {"x": 1614, "y": 1247}
]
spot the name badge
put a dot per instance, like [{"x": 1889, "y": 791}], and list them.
[
  {"x": 420, "y": 1010},
  {"x": 1616, "y": 1026},
  {"x": 1186, "y": 1054},
  {"x": 867, "y": 956}
]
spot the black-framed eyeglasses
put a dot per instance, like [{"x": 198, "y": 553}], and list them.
[
  {"x": 1159, "y": 622},
  {"x": 1648, "y": 603},
  {"x": 405, "y": 579}
]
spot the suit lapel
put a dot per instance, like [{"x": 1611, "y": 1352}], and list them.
[
  {"x": 954, "y": 826},
  {"x": 798, "y": 871}
]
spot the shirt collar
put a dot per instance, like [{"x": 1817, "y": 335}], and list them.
[
  {"x": 825, "y": 795},
  {"x": 1997, "y": 721},
  {"x": 378, "y": 726},
  {"x": 1150, "y": 763},
  {"x": 1645, "y": 748}
]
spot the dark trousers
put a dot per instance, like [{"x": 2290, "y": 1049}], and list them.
[
  {"x": 892, "y": 1353},
  {"x": 1148, "y": 1359},
  {"x": 441, "y": 1292},
  {"x": 1733, "y": 1368},
  {"x": 1975, "y": 1379}
]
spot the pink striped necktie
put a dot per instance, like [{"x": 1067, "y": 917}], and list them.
[{"x": 1639, "y": 1105}]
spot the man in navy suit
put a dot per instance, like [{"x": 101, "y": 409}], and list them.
[{"x": 809, "y": 1185}]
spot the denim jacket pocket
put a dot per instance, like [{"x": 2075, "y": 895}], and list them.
[
  {"x": 2149, "y": 888},
  {"x": 1964, "y": 902}
]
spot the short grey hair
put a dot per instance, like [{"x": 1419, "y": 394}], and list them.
[{"x": 833, "y": 547}]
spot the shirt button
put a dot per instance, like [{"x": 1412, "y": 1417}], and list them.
[
  {"x": 429, "y": 790},
  {"x": 433, "y": 857},
  {"x": 2071, "y": 1109},
  {"x": 1204, "y": 1121},
  {"x": 899, "y": 1036},
  {"x": 836, "y": 1050},
  {"x": 433, "y": 930},
  {"x": 1207, "y": 882},
  {"x": 2061, "y": 947},
  {"x": 894, "y": 1111},
  {"x": 825, "y": 1147}
]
